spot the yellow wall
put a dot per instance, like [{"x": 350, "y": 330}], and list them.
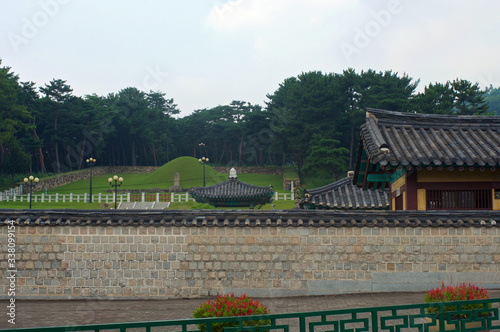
[
  {"x": 456, "y": 175},
  {"x": 421, "y": 199},
  {"x": 395, "y": 186},
  {"x": 496, "y": 202},
  {"x": 446, "y": 175}
]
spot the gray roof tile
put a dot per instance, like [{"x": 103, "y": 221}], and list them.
[
  {"x": 248, "y": 218},
  {"x": 232, "y": 190},
  {"x": 429, "y": 139},
  {"x": 343, "y": 194}
]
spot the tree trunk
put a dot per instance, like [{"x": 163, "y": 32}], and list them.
[
  {"x": 133, "y": 151},
  {"x": 222, "y": 155},
  {"x": 240, "y": 151},
  {"x": 300, "y": 163},
  {"x": 68, "y": 158},
  {"x": 168, "y": 150},
  {"x": 2, "y": 151},
  {"x": 351, "y": 149},
  {"x": 144, "y": 159},
  {"x": 154, "y": 154},
  {"x": 81, "y": 152},
  {"x": 215, "y": 149},
  {"x": 58, "y": 164},
  {"x": 42, "y": 164}
]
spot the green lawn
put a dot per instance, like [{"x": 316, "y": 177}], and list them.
[
  {"x": 146, "y": 181},
  {"x": 158, "y": 179},
  {"x": 53, "y": 205},
  {"x": 312, "y": 182},
  {"x": 100, "y": 184},
  {"x": 191, "y": 175},
  {"x": 263, "y": 180}
]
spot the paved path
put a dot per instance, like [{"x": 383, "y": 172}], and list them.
[{"x": 34, "y": 313}]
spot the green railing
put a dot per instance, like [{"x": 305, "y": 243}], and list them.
[{"x": 411, "y": 317}]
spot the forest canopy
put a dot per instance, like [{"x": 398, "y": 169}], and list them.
[{"x": 311, "y": 121}]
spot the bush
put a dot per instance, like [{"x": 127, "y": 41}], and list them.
[
  {"x": 460, "y": 292},
  {"x": 228, "y": 306}
]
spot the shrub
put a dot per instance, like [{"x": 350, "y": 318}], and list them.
[
  {"x": 460, "y": 292},
  {"x": 229, "y": 305}
]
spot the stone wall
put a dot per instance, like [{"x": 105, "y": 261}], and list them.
[
  {"x": 171, "y": 261},
  {"x": 66, "y": 178}
]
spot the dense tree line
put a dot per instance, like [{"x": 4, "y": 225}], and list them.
[{"x": 311, "y": 121}]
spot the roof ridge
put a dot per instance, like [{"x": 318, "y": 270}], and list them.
[
  {"x": 410, "y": 118},
  {"x": 329, "y": 186}
]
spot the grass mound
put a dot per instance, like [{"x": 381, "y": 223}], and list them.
[{"x": 191, "y": 174}]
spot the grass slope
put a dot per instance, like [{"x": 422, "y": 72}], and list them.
[
  {"x": 190, "y": 170},
  {"x": 191, "y": 174},
  {"x": 100, "y": 184}
]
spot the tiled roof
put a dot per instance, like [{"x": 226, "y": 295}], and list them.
[
  {"x": 431, "y": 140},
  {"x": 343, "y": 194},
  {"x": 232, "y": 190},
  {"x": 249, "y": 218}
]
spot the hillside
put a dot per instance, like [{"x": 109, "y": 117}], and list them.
[{"x": 190, "y": 170}]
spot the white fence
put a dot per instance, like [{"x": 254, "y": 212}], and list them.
[
  {"x": 110, "y": 198},
  {"x": 16, "y": 191}
]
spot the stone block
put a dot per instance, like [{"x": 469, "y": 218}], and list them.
[
  {"x": 475, "y": 277},
  {"x": 390, "y": 277},
  {"x": 323, "y": 286},
  {"x": 354, "y": 286},
  {"x": 429, "y": 277},
  {"x": 389, "y": 287}
]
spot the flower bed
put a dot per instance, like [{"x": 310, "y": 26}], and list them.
[
  {"x": 460, "y": 292},
  {"x": 458, "y": 318},
  {"x": 229, "y": 305}
]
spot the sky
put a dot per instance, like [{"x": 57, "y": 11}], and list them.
[{"x": 205, "y": 53}]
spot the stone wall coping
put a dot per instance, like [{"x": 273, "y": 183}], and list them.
[{"x": 244, "y": 218}]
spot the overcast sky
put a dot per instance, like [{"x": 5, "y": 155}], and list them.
[{"x": 205, "y": 53}]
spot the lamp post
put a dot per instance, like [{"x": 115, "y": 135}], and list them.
[
  {"x": 203, "y": 161},
  {"x": 91, "y": 162},
  {"x": 30, "y": 179},
  {"x": 117, "y": 182}
]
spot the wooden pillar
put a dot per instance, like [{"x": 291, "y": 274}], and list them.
[{"x": 411, "y": 192}]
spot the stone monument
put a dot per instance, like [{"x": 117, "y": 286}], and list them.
[{"x": 177, "y": 184}]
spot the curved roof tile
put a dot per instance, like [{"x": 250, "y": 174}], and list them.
[
  {"x": 248, "y": 218},
  {"x": 232, "y": 190},
  {"x": 430, "y": 139},
  {"x": 343, "y": 194}
]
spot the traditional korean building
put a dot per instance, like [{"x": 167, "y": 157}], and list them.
[
  {"x": 344, "y": 195},
  {"x": 431, "y": 162},
  {"x": 233, "y": 193}
]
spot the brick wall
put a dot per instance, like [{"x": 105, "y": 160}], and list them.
[{"x": 171, "y": 261}]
